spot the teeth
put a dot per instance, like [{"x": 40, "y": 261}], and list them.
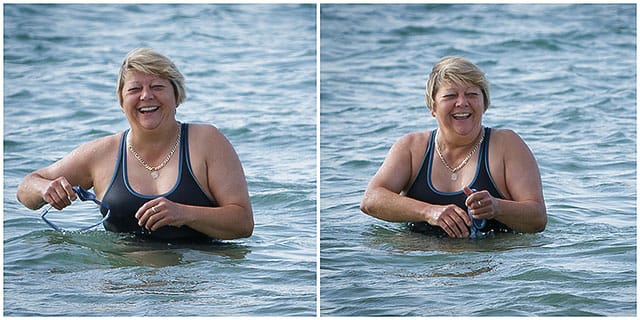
[
  {"x": 461, "y": 115},
  {"x": 148, "y": 109}
]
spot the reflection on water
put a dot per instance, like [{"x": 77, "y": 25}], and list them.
[
  {"x": 401, "y": 240},
  {"x": 70, "y": 251},
  {"x": 453, "y": 270}
]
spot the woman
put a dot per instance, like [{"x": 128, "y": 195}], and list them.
[
  {"x": 490, "y": 172},
  {"x": 161, "y": 179}
]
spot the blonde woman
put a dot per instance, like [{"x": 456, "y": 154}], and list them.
[
  {"x": 162, "y": 179},
  {"x": 461, "y": 179}
]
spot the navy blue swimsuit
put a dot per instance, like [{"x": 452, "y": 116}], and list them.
[
  {"x": 124, "y": 202},
  {"x": 422, "y": 189}
]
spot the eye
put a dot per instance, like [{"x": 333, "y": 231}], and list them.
[
  {"x": 473, "y": 94},
  {"x": 449, "y": 95},
  {"x": 133, "y": 89}
]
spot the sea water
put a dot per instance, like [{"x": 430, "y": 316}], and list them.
[
  {"x": 564, "y": 78},
  {"x": 250, "y": 70}
]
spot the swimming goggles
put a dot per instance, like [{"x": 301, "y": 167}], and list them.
[
  {"x": 83, "y": 195},
  {"x": 476, "y": 225}
]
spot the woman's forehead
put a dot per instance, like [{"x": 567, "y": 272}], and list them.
[
  {"x": 451, "y": 85},
  {"x": 139, "y": 76}
]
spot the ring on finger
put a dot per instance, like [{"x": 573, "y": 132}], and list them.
[
  {"x": 154, "y": 210},
  {"x": 479, "y": 203}
]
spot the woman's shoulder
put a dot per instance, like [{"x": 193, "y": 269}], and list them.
[
  {"x": 414, "y": 138},
  {"x": 508, "y": 143},
  {"x": 207, "y": 137},
  {"x": 413, "y": 142},
  {"x": 101, "y": 145},
  {"x": 204, "y": 131},
  {"x": 504, "y": 136}
]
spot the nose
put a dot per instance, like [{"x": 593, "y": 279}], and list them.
[
  {"x": 146, "y": 94},
  {"x": 461, "y": 101}
]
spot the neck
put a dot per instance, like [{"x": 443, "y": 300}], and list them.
[
  {"x": 154, "y": 139},
  {"x": 452, "y": 142}
]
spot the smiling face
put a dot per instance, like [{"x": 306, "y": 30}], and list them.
[
  {"x": 148, "y": 100},
  {"x": 459, "y": 108},
  {"x": 455, "y": 70}
]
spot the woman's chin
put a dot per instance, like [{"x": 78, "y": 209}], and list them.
[
  {"x": 148, "y": 122},
  {"x": 464, "y": 127}
]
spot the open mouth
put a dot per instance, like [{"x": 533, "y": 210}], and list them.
[
  {"x": 148, "y": 109},
  {"x": 461, "y": 116}
]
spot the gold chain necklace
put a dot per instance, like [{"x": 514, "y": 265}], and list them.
[
  {"x": 454, "y": 175},
  {"x": 155, "y": 170}
]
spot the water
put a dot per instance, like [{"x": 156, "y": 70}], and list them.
[
  {"x": 564, "y": 78},
  {"x": 250, "y": 70}
]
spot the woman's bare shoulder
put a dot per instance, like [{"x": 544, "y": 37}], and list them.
[
  {"x": 414, "y": 139},
  {"x": 206, "y": 140},
  {"x": 508, "y": 143},
  {"x": 205, "y": 131},
  {"x": 102, "y": 145},
  {"x": 415, "y": 143},
  {"x": 504, "y": 134}
]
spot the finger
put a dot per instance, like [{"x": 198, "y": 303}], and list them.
[
  {"x": 467, "y": 191},
  {"x": 69, "y": 190},
  {"x": 464, "y": 216},
  {"x": 145, "y": 207},
  {"x": 143, "y": 214},
  {"x": 64, "y": 197},
  {"x": 51, "y": 198},
  {"x": 471, "y": 201},
  {"x": 147, "y": 218},
  {"x": 449, "y": 230},
  {"x": 483, "y": 213},
  {"x": 457, "y": 226},
  {"x": 457, "y": 232},
  {"x": 157, "y": 221},
  {"x": 151, "y": 219},
  {"x": 463, "y": 226},
  {"x": 60, "y": 198},
  {"x": 60, "y": 191}
]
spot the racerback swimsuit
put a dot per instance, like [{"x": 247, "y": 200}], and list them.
[
  {"x": 422, "y": 189},
  {"x": 124, "y": 202}
]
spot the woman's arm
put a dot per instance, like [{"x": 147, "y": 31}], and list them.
[
  {"x": 525, "y": 211},
  {"x": 52, "y": 184},
  {"x": 225, "y": 181}
]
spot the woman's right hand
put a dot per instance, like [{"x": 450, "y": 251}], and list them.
[
  {"x": 452, "y": 219},
  {"x": 59, "y": 193}
]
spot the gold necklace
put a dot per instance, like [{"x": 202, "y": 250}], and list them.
[
  {"x": 454, "y": 175},
  {"x": 155, "y": 170}
]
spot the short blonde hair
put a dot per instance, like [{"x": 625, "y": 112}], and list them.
[
  {"x": 456, "y": 70},
  {"x": 149, "y": 61}
]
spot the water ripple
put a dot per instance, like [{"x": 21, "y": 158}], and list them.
[
  {"x": 561, "y": 77},
  {"x": 250, "y": 70}
]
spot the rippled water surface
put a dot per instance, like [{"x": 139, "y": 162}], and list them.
[
  {"x": 564, "y": 78},
  {"x": 250, "y": 70}
]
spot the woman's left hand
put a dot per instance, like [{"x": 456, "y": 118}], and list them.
[
  {"x": 158, "y": 213},
  {"x": 481, "y": 204}
]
